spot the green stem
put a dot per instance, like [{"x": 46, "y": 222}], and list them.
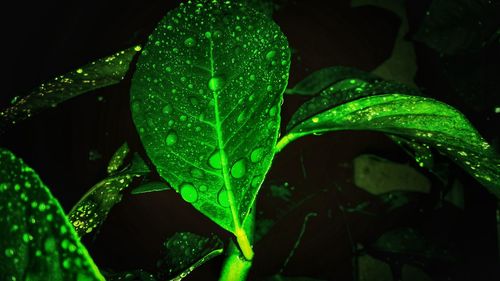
[
  {"x": 236, "y": 267},
  {"x": 284, "y": 141},
  {"x": 237, "y": 264}
]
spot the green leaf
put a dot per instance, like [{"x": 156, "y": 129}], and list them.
[
  {"x": 186, "y": 251},
  {"x": 336, "y": 95},
  {"x": 98, "y": 74},
  {"x": 93, "y": 208},
  {"x": 419, "y": 119},
  {"x": 118, "y": 158},
  {"x": 206, "y": 99},
  {"x": 154, "y": 186},
  {"x": 38, "y": 242},
  {"x": 327, "y": 77}
]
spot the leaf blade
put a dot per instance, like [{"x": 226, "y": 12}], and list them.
[
  {"x": 417, "y": 118},
  {"x": 49, "y": 248},
  {"x": 224, "y": 74}
]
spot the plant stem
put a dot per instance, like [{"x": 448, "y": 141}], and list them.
[
  {"x": 236, "y": 267},
  {"x": 239, "y": 260}
]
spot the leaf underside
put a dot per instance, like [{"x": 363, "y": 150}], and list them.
[
  {"x": 419, "y": 119},
  {"x": 38, "y": 242},
  {"x": 206, "y": 99}
]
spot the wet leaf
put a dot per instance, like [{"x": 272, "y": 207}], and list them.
[
  {"x": 93, "y": 208},
  {"x": 38, "y": 242},
  {"x": 327, "y": 77},
  {"x": 420, "y": 119},
  {"x": 458, "y": 26},
  {"x": 421, "y": 152},
  {"x": 206, "y": 99},
  {"x": 150, "y": 187},
  {"x": 98, "y": 74},
  {"x": 186, "y": 251},
  {"x": 118, "y": 158}
]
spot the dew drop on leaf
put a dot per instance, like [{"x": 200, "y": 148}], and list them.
[
  {"x": 214, "y": 160},
  {"x": 189, "y": 42},
  {"x": 189, "y": 192},
  {"x": 215, "y": 83},
  {"x": 257, "y": 154},
  {"x": 222, "y": 198},
  {"x": 239, "y": 169},
  {"x": 171, "y": 138},
  {"x": 167, "y": 109}
]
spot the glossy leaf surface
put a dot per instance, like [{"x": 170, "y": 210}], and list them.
[
  {"x": 206, "y": 102},
  {"x": 37, "y": 241},
  {"x": 98, "y": 74},
  {"x": 327, "y": 77},
  {"x": 419, "y": 119},
  {"x": 92, "y": 209}
]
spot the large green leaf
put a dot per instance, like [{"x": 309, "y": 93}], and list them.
[
  {"x": 206, "y": 99},
  {"x": 37, "y": 241},
  {"x": 419, "y": 119}
]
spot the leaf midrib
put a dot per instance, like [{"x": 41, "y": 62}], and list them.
[{"x": 222, "y": 153}]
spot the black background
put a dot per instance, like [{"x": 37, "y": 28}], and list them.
[{"x": 46, "y": 38}]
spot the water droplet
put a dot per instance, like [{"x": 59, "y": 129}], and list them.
[
  {"x": 242, "y": 116},
  {"x": 189, "y": 42},
  {"x": 194, "y": 101},
  {"x": 252, "y": 77},
  {"x": 9, "y": 252},
  {"x": 171, "y": 138},
  {"x": 273, "y": 111},
  {"x": 315, "y": 119},
  {"x": 257, "y": 154},
  {"x": 189, "y": 192},
  {"x": 197, "y": 173},
  {"x": 67, "y": 263},
  {"x": 270, "y": 55},
  {"x": 222, "y": 198},
  {"x": 203, "y": 188},
  {"x": 256, "y": 181},
  {"x": 208, "y": 34},
  {"x": 169, "y": 27},
  {"x": 269, "y": 88},
  {"x": 168, "y": 69},
  {"x": 183, "y": 118},
  {"x": 239, "y": 169},
  {"x": 167, "y": 109},
  {"x": 214, "y": 160},
  {"x": 215, "y": 83}
]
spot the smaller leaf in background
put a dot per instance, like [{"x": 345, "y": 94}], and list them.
[
  {"x": 93, "y": 208},
  {"x": 98, "y": 74},
  {"x": 410, "y": 246},
  {"x": 186, "y": 251},
  {"x": 458, "y": 26},
  {"x": 38, "y": 242},
  {"x": 417, "y": 118},
  {"x": 118, "y": 158},
  {"x": 401, "y": 66},
  {"x": 377, "y": 175},
  {"x": 154, "y": 186},
  {"x": 327, "y": 77}
]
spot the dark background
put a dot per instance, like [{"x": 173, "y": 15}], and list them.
[{"x": 46, "y": 38}]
